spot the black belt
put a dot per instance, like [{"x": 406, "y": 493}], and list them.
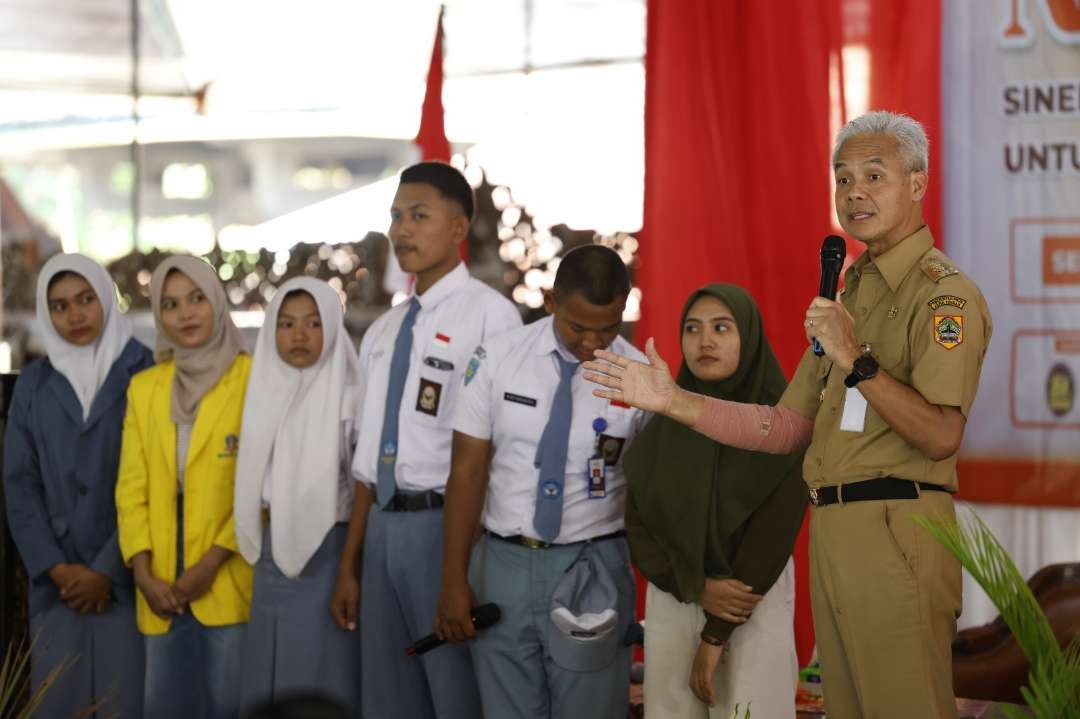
[
  {"x": 539, "y": 544},
  {"x": 880, "y": 488},
  {"x": 402, "y": 502}
]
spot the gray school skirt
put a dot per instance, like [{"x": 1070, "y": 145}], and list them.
[{"x": 293, "y": 645}]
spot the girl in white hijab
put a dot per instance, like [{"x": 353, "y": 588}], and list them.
[
  {"x": 61, "y": 453},
  {"x": 294, "y": 495}
]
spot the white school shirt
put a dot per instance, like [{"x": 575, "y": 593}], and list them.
[
  {"x": 507, "y": 400},
  {"x": 456, "y": 315}
]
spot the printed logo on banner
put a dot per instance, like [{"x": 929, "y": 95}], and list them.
[
  {"x": 1043, "y": 372},
  {"x": 1062, "y": 19},
  {"x": 1060, "y": 390}
]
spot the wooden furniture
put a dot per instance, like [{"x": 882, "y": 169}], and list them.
[{"x": 987, "y": 661}]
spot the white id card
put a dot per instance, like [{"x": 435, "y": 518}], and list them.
[{"x": 854, "y": 416}]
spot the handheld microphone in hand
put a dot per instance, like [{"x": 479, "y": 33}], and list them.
[
  {"x": 833, "y": 250},
  {"x": 483, "y": 617}
]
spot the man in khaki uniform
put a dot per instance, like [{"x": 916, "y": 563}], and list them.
[{"x": 884, "y": 414}]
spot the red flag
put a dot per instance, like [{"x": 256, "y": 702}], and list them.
[{"x": 431, "y": 138}]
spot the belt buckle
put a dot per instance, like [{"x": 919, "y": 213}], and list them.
[
  {"x": 814, "y": 498},
  {"x": 533, "y": 543}
]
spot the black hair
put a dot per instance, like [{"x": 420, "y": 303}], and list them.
[
  {"x": 61, "y": 275},
  {"x": 445, "y": 178},
  {"x": 594, "y": 271}
]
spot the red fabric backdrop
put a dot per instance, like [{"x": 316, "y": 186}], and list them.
[
  {"x": 905, "y": 76},
  {"x": 737, "y": 179}
]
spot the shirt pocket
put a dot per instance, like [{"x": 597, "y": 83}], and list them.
[{"x": 891, "y": 355}]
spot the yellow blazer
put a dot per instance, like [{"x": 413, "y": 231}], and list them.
[{"x": 146, "y": 490}]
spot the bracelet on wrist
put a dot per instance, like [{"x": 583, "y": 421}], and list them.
[{"x": 712, "y": 640}]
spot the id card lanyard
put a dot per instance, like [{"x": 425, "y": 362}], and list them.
[{"x": 596, "y": 471}]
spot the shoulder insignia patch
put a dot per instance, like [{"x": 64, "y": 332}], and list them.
[
  {"x": 938, "y": 270},
  {"x": 474, "y": 364},
  {"x": 949, "y": 330},
  {"x": 943, "y": 300}
]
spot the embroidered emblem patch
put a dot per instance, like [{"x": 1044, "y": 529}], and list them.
[
  {"x": 948, "y": 330},
  {"x": 943, "y": 300},
  {"x": 551, "y": 490},
  {"x": 427, "y": 400},
  {"x": 893, "y": 312},
  {"x": 472, "y": 368},
  {"x": 389, "y": 452},
  {"x": 232, "y": 446}
]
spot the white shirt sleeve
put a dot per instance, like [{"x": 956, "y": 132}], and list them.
[
  {"x": 473, "y": 414},
  {"x": 358, "y": 428},
  {"x": 501, "y": 317}
]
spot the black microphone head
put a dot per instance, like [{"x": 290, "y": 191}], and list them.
[
  {"x": 485, "y": 615},
  {"x": 833, "y": 248}
]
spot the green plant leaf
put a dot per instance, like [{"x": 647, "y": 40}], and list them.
[{"x": 1053, "y": 689}]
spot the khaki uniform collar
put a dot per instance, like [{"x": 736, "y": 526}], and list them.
[{"x": 897, "y": 262}]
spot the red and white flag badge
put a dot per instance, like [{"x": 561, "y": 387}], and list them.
[
  {"x": 617, "y": 403},
  {"x": 442, "y": 339}
]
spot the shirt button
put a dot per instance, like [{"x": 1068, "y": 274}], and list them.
[
  {"x": 862, "y": 310},
  {"x": 818, "y": 461},
  {"x": 82, "y": 489}
]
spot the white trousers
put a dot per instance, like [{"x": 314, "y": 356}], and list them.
[{"x": 759, "y": 665}]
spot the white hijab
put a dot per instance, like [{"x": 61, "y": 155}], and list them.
[
  {"x": 84, "y": 367},
  {"x": 291, "y": 435}
]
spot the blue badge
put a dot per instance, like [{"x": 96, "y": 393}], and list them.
[
  {"x": 472, "y": 368},
  {"x": 551, "y": 490},
  {"x": 599, "y": 425},
  {"x": 389, "y": 451}
]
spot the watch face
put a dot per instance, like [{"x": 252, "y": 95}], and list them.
[{"x": 865, "y": 366}]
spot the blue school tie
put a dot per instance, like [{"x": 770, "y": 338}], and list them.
[
  {"x": 388, "y": 441},
  {"x": 551, "y": 455}
]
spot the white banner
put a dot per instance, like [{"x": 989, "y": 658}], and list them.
[{"x": 1011, "y": 114}]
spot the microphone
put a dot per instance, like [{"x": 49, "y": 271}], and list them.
[
  {"x": 833, "y": 250},
  {"x": 482, "y": 616}
]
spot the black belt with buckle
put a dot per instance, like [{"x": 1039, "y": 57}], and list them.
[
  {"x": 402, "y": 502},
  {"x": 868, "y": 489},
  {"x": 540, "y": 544}
]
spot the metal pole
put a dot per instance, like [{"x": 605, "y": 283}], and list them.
[{"x": 135, "y": 150}]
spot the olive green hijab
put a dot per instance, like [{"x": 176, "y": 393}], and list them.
[{"x": 689, "y": 495}]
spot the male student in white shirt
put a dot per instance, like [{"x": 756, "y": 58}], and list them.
[
  {"x": 413, "y": 359},
  {"x": 552, "y": 495}
]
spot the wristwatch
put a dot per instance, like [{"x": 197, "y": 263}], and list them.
[{"x": 865, "y": 367}]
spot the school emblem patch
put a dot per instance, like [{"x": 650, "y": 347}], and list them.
[
  {"x": 948, "y": 330},
  {"x": 427, "y": 401},
  {"x": 472, "y": 368},
  {"x": 232, "y": 447}
]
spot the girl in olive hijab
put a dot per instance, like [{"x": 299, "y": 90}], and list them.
[{"x": 712, "y": 529}]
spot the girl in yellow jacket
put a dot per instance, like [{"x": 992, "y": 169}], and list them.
[{"x": 174, "y": 497}]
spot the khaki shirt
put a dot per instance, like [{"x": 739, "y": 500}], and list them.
[{"x": 928, "y": 326}]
